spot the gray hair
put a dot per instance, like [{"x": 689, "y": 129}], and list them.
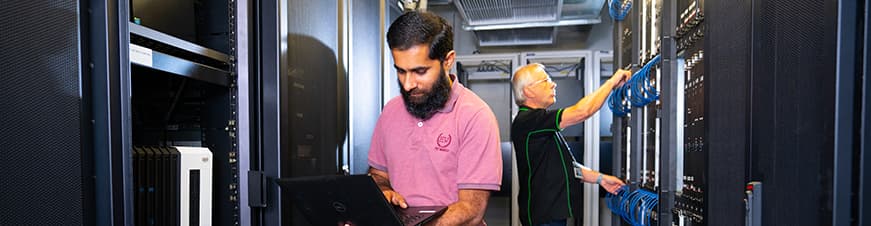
[{"x": 520, "y": 82}]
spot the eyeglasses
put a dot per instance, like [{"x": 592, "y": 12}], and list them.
[{"x": 548, "y": 80}]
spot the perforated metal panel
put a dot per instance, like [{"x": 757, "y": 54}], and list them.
[
  {"x": 793, "y": 107},
  {"x": 40, "y": 114},
  {"x": 480, "y": 12}
]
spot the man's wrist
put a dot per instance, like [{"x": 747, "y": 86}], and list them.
[{"x": 599, "y": 179}]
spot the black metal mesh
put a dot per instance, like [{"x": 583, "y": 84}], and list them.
[
  {"x": 40, "y": 114},
  {"x": 793, "y": 109},
  {"x": 727, "y": 55}
]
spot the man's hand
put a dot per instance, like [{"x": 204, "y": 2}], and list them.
[
  {"x": 382, "y": 180},
  {"x": 620, "y": 77},
  {"x": 611, "y": 183},
  {"x": 395, "y": 198}
]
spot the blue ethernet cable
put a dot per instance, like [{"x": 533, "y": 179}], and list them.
[
  {"x": 617, "y": 10},
  {"x": 616, "y": 101},
  {"x": 637, "y": 92}
]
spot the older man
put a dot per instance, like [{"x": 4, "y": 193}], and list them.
[{"x": 548, "y": 171}]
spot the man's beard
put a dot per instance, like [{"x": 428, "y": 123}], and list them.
[{"x": 426, "y": 106}]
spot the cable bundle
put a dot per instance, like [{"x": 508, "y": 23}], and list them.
[
  {"x": 643, "y": 92},
  {"x": 634, "y": 207},
  {"x": 638, "y": 91},
  {"x": 619, "y": 9},
  {"x": 617, "y": 100}
]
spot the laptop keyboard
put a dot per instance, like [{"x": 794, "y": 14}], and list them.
[{"x": 407, "y": 219}]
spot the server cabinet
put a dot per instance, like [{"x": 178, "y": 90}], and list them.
[
  {"x": 164, "y": 74},
  {"x": 754, "y": 93},
  {"x": 184, "y": 93}
]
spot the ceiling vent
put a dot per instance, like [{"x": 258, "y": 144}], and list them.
[
  {"x": 525, "y": 22},
  {"x": 517, "y": 36},
  {"x": 490, "y": 12}
]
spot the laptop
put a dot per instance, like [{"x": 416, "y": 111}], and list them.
[{"x": 352, "y": 200}]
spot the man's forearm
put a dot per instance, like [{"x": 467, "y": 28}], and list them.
[
  {"x": 593, "y": 102},
  {"x": 460, "y": 213},
  {"x": 468, "y": 211},
  {"x": 380, "y": 179},
  {"x": 586, "y": 106}
]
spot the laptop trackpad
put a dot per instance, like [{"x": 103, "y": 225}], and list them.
[{"x": 419, "y": 215}]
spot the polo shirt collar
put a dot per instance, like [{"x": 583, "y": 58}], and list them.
[
  {"x": 525, "y": 108},
  {"x": 455, "y": 94}
]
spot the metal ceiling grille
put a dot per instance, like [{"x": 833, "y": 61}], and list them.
[
  {"x": 525, "y": 22},
  {"x": 520, "y": 36},
  {"x": 488, "y": 12}
]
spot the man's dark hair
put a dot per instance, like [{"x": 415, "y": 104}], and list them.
[{"x": 415, "y": 28}]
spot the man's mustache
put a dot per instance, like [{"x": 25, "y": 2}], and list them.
[{"x": 415, "y": 91}]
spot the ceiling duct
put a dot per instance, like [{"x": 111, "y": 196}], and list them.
[{"x": 525, "y": 22}]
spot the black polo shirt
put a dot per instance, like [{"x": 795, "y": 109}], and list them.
[{"x": 548, "y": 189}]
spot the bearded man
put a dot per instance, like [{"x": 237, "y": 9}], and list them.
[{"x": 437, "y": 144}]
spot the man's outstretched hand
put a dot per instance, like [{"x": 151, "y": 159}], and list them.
[{"x": 611, "y": 183}]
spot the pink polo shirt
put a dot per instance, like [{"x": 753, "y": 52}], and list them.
[{"x": 429, "y": 161}]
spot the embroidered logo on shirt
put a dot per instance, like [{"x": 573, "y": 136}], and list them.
[{"x": 443, "y": 141}]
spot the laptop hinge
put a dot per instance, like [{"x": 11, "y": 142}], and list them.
[{"x": 256, "y": 184}]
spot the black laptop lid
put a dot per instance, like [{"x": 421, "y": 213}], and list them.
[{"x": 340, "y": 200}]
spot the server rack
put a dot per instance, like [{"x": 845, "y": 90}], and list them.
[
  {"x": 640, "y": 135},
  {"x": 747, "y": 100},
  {"x": 670, "y": 153},
  {"x": 183, "y": 92}
]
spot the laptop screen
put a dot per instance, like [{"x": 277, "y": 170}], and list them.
[{"x": 339, "y": 200}]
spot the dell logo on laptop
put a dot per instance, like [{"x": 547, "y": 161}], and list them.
[{"x": 339, "y": 207}]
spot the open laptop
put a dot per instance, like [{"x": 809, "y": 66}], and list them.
[{"x": 351, "y": 200}]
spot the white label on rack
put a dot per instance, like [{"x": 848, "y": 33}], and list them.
[{"x": 141, "y": 55}]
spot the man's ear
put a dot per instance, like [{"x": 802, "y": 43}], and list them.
[
  {"x": 528, "y": 93},
  {"x": 449, "y": 60}
]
